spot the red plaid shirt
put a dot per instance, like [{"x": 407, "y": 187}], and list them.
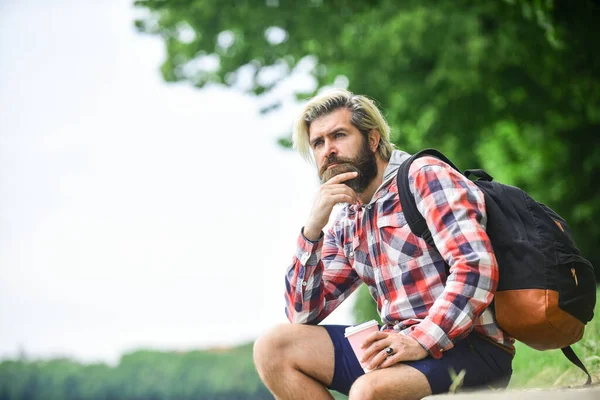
[{"x": 373, "y": 244}]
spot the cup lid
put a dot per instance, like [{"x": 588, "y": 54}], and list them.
[{"x": 356, "y": 328}]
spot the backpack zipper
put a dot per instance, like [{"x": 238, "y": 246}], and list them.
[
  {"x": 559, "y": 225},
  {"x": 574, "y": 276}
]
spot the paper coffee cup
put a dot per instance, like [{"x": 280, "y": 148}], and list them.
[{"x": 357, "y": 334}]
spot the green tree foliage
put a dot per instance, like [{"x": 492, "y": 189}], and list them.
[
  {"x": 226, "y": 374},
  {"x": 509, "y": 86}
]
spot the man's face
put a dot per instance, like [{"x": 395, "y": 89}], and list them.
[{"x": 338, "y": 147}]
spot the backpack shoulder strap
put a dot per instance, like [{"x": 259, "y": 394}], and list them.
[
  {"x": 415, "y": 220},
  {"x": 570, "y": 354}
]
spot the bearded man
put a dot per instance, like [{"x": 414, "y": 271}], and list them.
[{"x": 436, "y": 318}]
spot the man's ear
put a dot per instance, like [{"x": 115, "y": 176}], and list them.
[{"x": 374, "y": 138}]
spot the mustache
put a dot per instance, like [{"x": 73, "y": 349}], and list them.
[{"x": 333, "y": 159}]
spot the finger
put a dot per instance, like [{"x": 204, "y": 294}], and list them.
[
  {"x": 375, "y": 348},
  {"x": 342, "y": 177},
  {"x": 373, "y": 337},
  {"x": 342, "y": 198},
  {"x": 327, "y": 196},
  {"x": 372, "y": 353},
  {"x": 388, "y": 361},
  {"x": 339, "y": 189},
  {"x": 378, "y": 360}
]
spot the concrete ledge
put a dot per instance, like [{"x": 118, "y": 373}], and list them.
[{"x": 579, "y": 393}]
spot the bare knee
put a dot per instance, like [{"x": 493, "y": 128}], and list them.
[
  {"x": 363, "y": 389},
  {"x": 398, "y": 383},
  {"x": 270, "y": 349}
]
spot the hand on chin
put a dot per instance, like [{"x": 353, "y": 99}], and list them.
[{"x": 336, "y": 169}]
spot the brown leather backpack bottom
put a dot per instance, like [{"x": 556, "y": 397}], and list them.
[{"x": 533, "y": 317}]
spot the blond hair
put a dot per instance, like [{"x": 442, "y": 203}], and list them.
[{"x": 365, "y": 117}]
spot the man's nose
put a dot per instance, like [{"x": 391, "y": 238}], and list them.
[{"x": 330, "y": 148}]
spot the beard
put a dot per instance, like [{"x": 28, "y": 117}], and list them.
[{"x": 365, "y": 163}]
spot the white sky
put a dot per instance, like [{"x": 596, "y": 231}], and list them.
[{"x": 134, "y": 214}]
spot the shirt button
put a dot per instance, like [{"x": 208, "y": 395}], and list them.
[
  {"x": 303, "y": 283},
  {"x": 351, "y": 254},
  {"x": 386, "y": 301},
  {"x": 368, "y": 206}
]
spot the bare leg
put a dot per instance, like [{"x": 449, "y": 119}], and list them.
[
  {"x": 295, "y": 361},
  {"x": 400, "y": 382}
]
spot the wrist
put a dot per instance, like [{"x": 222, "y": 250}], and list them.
[{"x": 312, "y": 234}]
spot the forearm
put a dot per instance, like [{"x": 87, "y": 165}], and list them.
[
  {"x": 309, "y": 290},
  {"x": 469, "y": 291},
  {"x": 456, "y": 218},
  {"x": 314, "y": 287},
  {"x": 312, "y": 233},
  {"x": 303, "y": 282}
]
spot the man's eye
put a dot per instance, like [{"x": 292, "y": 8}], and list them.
[
  {"x": 317, "y": 143},
  {"x": 339, "y": 135}
]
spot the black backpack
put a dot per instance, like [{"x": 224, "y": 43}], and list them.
[{"x": 547, "y": 291}]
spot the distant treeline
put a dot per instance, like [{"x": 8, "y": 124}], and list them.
[{"x": 142, "y": 375}]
